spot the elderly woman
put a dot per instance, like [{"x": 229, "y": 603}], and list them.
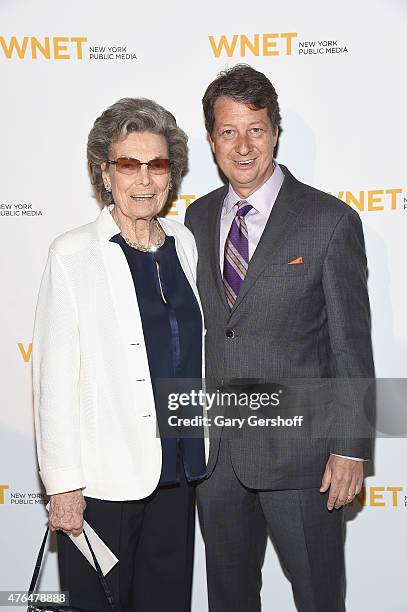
[{"x": 118, "y": 312}]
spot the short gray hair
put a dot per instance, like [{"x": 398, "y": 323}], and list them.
[{"x": 135, "y": 115}]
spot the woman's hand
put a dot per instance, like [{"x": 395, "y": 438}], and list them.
[{"x": 66, "y": 512}]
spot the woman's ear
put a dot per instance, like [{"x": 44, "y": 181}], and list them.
[{"x": 106, "y": 176}]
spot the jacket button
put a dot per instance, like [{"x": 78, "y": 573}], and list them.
[{"x": 230, "y": 333}]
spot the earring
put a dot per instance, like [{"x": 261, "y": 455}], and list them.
[{"x": 108, "y": 187}]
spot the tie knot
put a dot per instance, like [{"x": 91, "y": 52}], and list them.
[{"x": 243, "y": 208}]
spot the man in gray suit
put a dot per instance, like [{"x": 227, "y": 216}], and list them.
[{"x": 282, "y": 278}]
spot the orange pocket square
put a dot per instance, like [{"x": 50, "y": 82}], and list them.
[{"x": 298, "y": 260}]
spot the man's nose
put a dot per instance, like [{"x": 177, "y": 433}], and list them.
[{"x": 243, "y": 145}]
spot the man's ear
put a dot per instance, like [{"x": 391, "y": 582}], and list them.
[
  {"x": 275, "y": 137},
  {"x": 211, "y": 142}
]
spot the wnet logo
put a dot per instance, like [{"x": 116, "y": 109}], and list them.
[
  {"x": 3, "y": 487},
  {"x": 372, "y": 200},
  {"x": 257, "y": 45},
  {"x": 381, "y": 497},
  {"x": 25, "y": 352},
  {"x": 47, "y": 47}
]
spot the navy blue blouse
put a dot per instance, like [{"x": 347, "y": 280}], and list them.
[{"x": 172, "y": 327}]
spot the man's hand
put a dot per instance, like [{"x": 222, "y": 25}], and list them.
[
  {"x": 344, "y": 479},
  {"x": 66, "y": 512}
]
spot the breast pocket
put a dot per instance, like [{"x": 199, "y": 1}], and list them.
[{"x": 285, "y": 269}]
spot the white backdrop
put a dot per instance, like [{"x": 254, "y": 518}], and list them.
[{"x": 339, "y": 70}]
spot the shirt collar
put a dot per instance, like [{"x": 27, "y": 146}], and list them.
[{"x": 263, "y": 199}]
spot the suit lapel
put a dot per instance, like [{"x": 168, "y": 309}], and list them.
[
  {"x": 214, "y": 215},
  {"x": 284, "y": 213}
]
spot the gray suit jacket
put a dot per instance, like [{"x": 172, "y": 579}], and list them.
[{"x": 308, "y": 324}]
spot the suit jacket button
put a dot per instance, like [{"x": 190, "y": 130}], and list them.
[{"x": 230, "y": 333}]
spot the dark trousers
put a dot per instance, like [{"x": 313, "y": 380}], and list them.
[
  {"x": 153, "y": 539},
  {"x": 308, "y": 539}
]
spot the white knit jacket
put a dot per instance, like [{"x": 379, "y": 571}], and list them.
[{"x": 94, "y": 409}]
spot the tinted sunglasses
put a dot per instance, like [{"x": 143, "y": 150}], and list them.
[{"x": 129, "y": 165}]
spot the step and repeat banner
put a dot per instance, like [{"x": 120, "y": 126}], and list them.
[{"x": 339, "y": 69}]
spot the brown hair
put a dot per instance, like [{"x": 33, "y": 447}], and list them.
[{"x": 243, "y": 84}]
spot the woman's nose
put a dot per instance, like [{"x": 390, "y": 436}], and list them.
[{"x": 144, "y": 175}]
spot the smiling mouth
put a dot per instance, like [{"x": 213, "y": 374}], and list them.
[
  {"x": 142, "y": 196},
  {"x": 244, "y": 162}
]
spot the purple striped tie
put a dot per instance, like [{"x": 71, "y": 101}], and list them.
[{"x": 236, "y": 254}]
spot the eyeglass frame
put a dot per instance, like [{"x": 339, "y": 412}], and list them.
[{"x": 147, "y": 163}]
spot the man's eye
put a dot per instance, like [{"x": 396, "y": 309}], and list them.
[
  {"x": 228, "y": 132},
  {"x": 256, "y": 130}
]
